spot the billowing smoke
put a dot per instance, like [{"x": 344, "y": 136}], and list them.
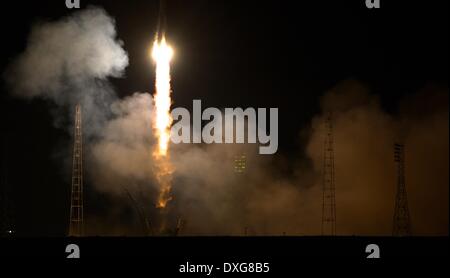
[
  {"x": 365, "y": 169},
  {"x": 123, "y": 151},
  {"x": 265, "y": 200},
  {"x": 69, "y": 61},
  {"x": 63, "y": 55}
]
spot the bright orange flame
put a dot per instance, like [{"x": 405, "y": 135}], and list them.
[{"x": 162, "y": 54}]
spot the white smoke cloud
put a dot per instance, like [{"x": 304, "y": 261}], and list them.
[
  {"x": 122, "y": 155},
  {"x": 61, "y": 56}
]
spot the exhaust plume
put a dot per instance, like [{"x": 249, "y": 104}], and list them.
[{"x": 162, "y": 54}]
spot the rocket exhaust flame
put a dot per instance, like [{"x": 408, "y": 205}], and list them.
[{"x": 162, "y": 54}]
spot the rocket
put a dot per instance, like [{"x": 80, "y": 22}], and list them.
[{"x": 162, "y": 22}]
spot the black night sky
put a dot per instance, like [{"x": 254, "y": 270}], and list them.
[{"x": 283, "y": 54}]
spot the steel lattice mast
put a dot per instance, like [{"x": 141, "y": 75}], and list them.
[
  {"x": 328, "y": 182},
  {"x": 402, "y": 224},
  {"x": 76, "y": 202}
]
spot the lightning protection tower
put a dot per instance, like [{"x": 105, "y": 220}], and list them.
[
  {"x": 76, "y": 201},
  {"x": 328, "y": 182},
  {"x": 402, "y": 224},
  {"x": 6, "y": 203}
]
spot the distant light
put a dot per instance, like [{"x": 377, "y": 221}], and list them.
[
  {"x": 240, "y": 163},
  {"x": 9, "y": 232}
]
